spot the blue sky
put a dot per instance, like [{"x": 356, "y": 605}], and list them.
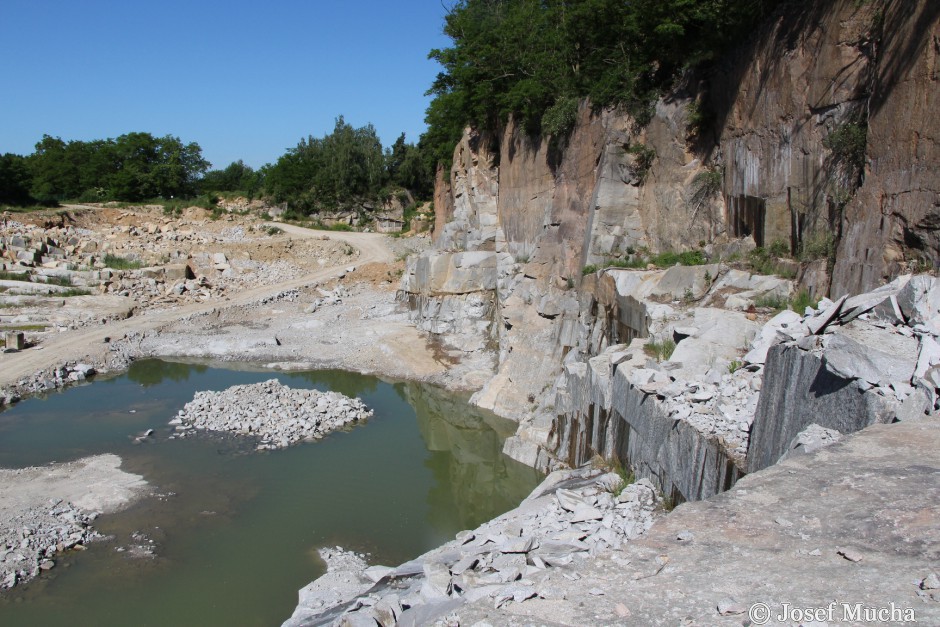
[{"x": 244, "y": 79}]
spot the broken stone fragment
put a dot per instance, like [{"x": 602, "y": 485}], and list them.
[
  {"x": 851, "y": 554},
  {"x": 819, "y": 323},
  {"x": 730, "y": 607},
  {"x": 849, "y": 359}
]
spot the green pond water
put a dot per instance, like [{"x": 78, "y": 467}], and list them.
[{"x": 236, "y": 532}]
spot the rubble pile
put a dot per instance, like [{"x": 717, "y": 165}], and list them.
[
  {"x": 278, "y": 415},
  {"x": 29, "y": 544},
  {"x": 573, "y": 516}
]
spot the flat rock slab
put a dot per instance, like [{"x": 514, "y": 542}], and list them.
[
  {"x": 92, "y": 483},
  {"x": 875, "y": 496}
]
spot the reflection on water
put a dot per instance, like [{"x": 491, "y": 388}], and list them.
[
  {"x": 154, "y": 371},
  {"x": 236, "y": 538},
  {"x": 466, "y": 458}
]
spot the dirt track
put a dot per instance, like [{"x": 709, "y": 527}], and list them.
[{"x": 77, "y": 344}]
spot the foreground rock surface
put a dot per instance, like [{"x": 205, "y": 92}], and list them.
[
  {"x": 279, "y": 415},
  {"x": 853, "y": 523},
  {"x": 49, "y": 510}
]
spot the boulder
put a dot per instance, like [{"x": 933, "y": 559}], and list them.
[
  {"x": 846, "y": 358},
  {"x": 818, "y": 324},
  {"x": 786, "y": 325},
  {"x": 919, "y": 302},
  {"x": 178, "y": 272},
  {"x": 679, "y": 282},
  {"x": 811, "y": 438}
]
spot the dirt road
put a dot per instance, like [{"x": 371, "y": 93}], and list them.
[{"x": 77, "y": 344}]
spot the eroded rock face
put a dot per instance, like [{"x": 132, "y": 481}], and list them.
[{"x": 894, "y": 219}]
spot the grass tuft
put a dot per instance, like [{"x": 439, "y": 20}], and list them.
[
  {"x": 661, "y": 350},
  {"x": 116, "y": 262}
]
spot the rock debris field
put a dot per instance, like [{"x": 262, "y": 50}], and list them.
[
  {"x": 280, "y": 416},
  {"x": 574, "y": 516},
  {"x": 30, "y": 541},
  {"x": 48, "y": 511}
]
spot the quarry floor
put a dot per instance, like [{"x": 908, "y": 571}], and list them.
[
  {"x": 857, "y": 523},
  {"x": 854, "y": 527}
]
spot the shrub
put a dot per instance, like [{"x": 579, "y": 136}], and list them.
[
  {"x": 74, "y": 291},
  {"x": 847, "y": 144},
  {"x": 668, "y": 259},
  {"x": 771, "y": 301},
  {"x": 803, "y": 300},
  {"x": 643, "y": 157},
  {"x": 64, "y": 281},
  {"x": 13, "y": 276},
  {"x": 819, "y": 247},
  {"x": 559, "y": 119},
  {"x": 626, "y": 475},
  {"x": 121, "y": 263},
  {"x": 760, "y": 261},
  {"x": 705, "y": 186},
  {"x": 779, "y": 248},
  {"x": 698, "y": 119}
]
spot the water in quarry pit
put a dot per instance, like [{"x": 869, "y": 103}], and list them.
[{"x": 238, "y": 536}]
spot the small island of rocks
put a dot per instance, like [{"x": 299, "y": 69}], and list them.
[{"x": 280, "y": 416}]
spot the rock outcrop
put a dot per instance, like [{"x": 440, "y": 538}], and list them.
[
  {"x": 535, "y": 212},
  {"x": 893, "y": 221}
]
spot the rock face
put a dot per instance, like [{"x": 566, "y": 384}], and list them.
[
  {"x": 893, "y": 220},
  {"x": 579, "y": 358},
  {"x": 280, "y": 416}
]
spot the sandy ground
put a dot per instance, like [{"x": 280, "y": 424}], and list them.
[{"x": 95, "y": 484}]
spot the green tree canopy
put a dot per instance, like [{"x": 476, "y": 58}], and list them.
[
  {"x": 344, "y": 167},
  {"x": 15, "y": 180},
  {"x": 533, "y": 58},
  {"x": 236, "y": 177},
  {"x": 133, "y": 167}
]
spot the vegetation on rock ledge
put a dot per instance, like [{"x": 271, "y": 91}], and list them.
[{"x": 532, "y": 59}]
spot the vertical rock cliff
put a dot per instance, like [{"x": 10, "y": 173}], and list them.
[{"x": 518, "y": 217}]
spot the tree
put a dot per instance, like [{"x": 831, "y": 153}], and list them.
[
  {"x": 15, "y": 180},
  {"x": 329, "y": 172},
  {"x": 236, "y": 177},
  {"x": 529, "y": 58},
  {"x": 133, "y": 167}
]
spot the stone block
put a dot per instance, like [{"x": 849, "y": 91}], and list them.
[{"x": 15, "y": 340}]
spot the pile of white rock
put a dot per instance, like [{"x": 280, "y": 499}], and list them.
[
  {"x": 888, "y": 339},
  {"x": 279, "y": 415},
  {"x": 31, "y": 541},
  {"x": 574, "y": 515}
]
